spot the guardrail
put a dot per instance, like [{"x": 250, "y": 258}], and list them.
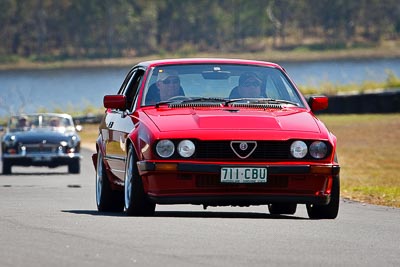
[
  {"x": 87, "y": 119},
  {"x": 374, "y": 102}
]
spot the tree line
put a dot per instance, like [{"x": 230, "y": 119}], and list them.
[{"x": 62, "y": 29}]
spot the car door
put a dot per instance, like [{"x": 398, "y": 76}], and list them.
[{"x": 118, "y": 124}]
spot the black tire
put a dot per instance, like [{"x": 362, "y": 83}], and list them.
[
  {"x": 107, "y": 200},
  {"x": 74, "y": 166},
  {"x": 6, "y": 166},
  {"x": 331, "y": 210},
  {"x": 136, "y": 201},
  {"x": 282, "y": 208}
]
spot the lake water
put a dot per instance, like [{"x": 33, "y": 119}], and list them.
[{"x": 76, "y": 89}]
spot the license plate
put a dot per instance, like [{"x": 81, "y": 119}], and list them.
[
  {"x": 38, "y": 159},
  {"x": 243, "y": 175}
]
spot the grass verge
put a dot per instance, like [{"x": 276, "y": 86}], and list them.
[
  {"x": 368, "y": 150},
  {"x": 369, "y": 155}
]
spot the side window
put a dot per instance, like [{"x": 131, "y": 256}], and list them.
[
  {"x": 128, "y": 77},
  {"x": 133, "y": 86}
]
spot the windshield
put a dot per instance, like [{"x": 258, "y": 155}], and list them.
[
  {"x": 220, "y": 81},
  {"x": 40, "y": 121}
]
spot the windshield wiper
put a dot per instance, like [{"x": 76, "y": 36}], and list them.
[
  {"x": 165, "y": 102},
  {"x": 284, "y": 102},
  {"x": 253, "y": 100},
  {"x": 262, "y": 101},
  {"x": 191, "y": 100},
  {"x": 229, "y": 101},
  {"x": 204, "y": 99}
]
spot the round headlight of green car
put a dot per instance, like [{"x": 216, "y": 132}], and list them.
[
  {"x": 71, "y": 142},
  {"x": 298, "y": 149},
  {"x": 10, "y": 141},
  {"x": 165, "y": 148},
  {"x": 186, "y": 148},
  {"x": 318, "y": 150}
]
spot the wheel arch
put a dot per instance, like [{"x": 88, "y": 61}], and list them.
[{"x": 134, "y": 140}]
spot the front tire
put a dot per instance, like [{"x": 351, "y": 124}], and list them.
[
  {"x": 136, "y": 201},
  {"x": 74, "y": 166},
  {"x": 107, "y": 200},
  {"x": 6, "y": 166},
  {"x": 282, "y": 208},
  {"x": 331, "y": 210}
]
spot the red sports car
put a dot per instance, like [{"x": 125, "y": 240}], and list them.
[{"x": 214, "y": 132}]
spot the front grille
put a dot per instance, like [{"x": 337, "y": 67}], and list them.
[
  {"x": 30, "y": 149},
  {"x": 265, "y": 150}
]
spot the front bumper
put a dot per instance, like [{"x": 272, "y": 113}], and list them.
[
  {"x": 195, "y": 183},
  {"x": 146, "y": 167},
  {"x": 41, "y": 159}
]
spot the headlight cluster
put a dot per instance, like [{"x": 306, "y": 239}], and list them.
[
  {"x": 166, "y": 148},
  {"x": 317, "y": 149},
  {"x": 10, "y": 141},
  {"x": 73, "y": 141}
]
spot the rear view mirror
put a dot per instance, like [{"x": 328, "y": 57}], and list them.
[
  {"x": 318, "y": 103},
  {"x": 115, "y": 102},
  {"x": 216, "y": 75}
]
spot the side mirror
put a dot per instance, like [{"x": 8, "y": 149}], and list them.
[
  {"x": 115, "y": 101},
  {"x": 318, "y": 103}
]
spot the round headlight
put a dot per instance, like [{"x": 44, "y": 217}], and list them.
[
  {"x": 186, "y": 148},
  {"x": 72, "y": 141},
  {"x": 10, "y": 140},
  {"x": 318, "y": 150},
  {"x": 298, "y": 149},
  {"x": 63, "y": 143},
  {"x": 165, "y": 148}
]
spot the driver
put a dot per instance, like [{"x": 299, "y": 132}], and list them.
[
  {"x": 54, "y": 122},
  {"x": 168, "y": 85},
  {"x": 250, "y": 86},
  {"x": 23, "y": 123}
]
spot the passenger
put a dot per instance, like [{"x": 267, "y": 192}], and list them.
[
  {"x": 54, "y": 122},
  {"x": 168, "y": 85},
  {"x": 250, "y": 86}
]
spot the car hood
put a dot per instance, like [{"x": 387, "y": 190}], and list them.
[
  {"x": 233, "y": 119},
  {"x": 37, "y": 136}
]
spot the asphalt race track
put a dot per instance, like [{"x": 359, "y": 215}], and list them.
[{"x": 48, "y": 218}]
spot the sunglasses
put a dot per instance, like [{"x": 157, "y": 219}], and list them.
[
  {"x": 253, "y": 83},
  {"x": 169, "y": 81}
]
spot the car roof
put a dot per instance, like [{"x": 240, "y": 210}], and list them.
[{"x": 183, "y": 61}]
